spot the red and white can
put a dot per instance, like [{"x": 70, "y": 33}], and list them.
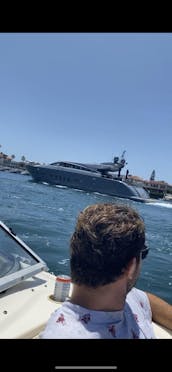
[{"x": 62, "y": 286}]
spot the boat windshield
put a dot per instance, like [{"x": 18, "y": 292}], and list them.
[{"x": 17, "y": 260}]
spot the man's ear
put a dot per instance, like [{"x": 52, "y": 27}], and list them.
[{"x": 131, "y": 268}]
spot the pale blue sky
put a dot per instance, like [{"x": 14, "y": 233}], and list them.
[{"x": 88, "y": 96}]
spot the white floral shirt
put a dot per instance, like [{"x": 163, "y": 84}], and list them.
[{"x": 72, "y": 321}]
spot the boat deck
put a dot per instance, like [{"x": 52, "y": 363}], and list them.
[{"x": 26, "y": 308}]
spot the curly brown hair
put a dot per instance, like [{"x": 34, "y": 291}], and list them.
[{"x": 105, "y": 239}]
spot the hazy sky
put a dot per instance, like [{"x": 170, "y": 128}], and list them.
[{"x": 86, "y": 97}]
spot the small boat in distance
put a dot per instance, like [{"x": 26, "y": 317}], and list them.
[{"x": 89, "y": 177}]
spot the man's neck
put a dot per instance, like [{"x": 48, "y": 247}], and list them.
[{"x": 110, "y": 297}]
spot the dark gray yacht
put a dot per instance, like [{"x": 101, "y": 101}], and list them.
[{"x": 89, "y": 177}]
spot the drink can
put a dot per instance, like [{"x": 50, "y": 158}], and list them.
[{"x": 62, "y": 286}]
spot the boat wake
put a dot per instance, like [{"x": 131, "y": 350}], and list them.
[
  {"x": 61, "y": 186},
  {"x": 161, "y": 204},
  {"x": 78, "y": 190},
  {"x": 64, "y": 261}
]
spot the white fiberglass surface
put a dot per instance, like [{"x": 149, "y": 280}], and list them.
[{"x": 17, "y": 260}]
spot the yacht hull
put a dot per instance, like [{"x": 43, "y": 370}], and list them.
[{"x": 86, "y": 181}]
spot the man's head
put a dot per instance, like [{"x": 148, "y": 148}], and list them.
[{"x": 106, "y": 238}]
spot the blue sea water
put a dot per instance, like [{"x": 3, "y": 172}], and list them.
[{"x": 44, "y": 217}]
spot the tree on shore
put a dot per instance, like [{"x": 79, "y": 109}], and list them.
[
  {"x": 23, "y": 158},
  {"x": 13, "y": 156}
]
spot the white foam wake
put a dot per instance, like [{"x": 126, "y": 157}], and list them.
[{"x": 161, "y": 204}]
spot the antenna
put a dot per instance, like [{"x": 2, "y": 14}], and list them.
[
  {"x": 122, "y": 156},
  {"x": 152, "y": 177}
]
